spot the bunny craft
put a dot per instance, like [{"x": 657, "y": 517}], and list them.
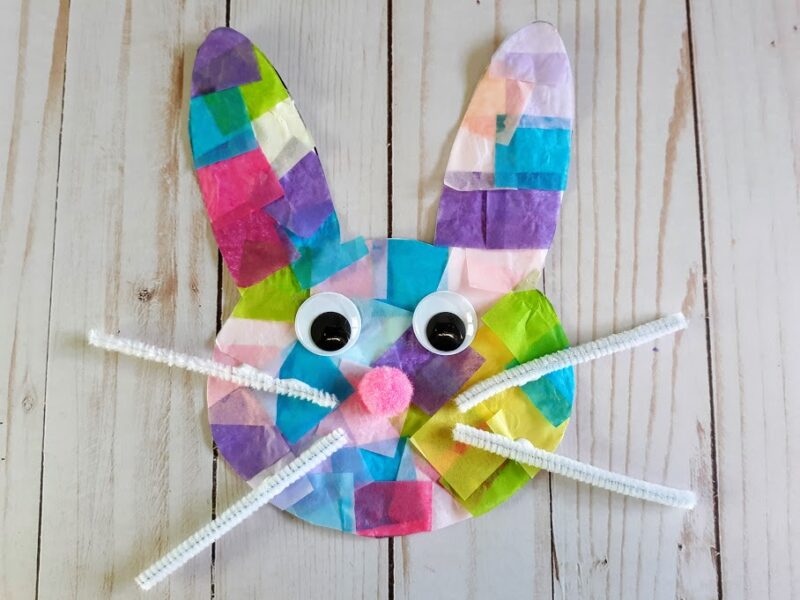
[
  {"x": 355, "y": 317},
  {"x": 387, "y": 387}
]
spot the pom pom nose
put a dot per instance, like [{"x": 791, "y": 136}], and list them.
[{"x": 385, "y": 391}]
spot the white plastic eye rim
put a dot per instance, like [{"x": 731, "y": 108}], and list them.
[
  {"x": 315, "y": 305},
  {"x": 438, "y": 302}
]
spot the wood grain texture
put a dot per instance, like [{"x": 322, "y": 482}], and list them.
[
  {"x": 102, "y": 225},
  {"x": 32, "y": 44},
  {"x": 440, "y": 51},
  {"x": 629, "y": 250},
  {"x": 748, "y": 90},
  {"x": 333, "y": 59},
  {"x": 127, "y": 459}
]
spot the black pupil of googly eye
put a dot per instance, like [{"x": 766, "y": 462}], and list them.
[
  {"x": 446, "y": 331},
  {"x": 330, "y": 331}
]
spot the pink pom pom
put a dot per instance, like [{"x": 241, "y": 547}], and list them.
[{"x": 385, "y": 391}]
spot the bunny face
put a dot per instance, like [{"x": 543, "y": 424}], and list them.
[{"x": 393, "y": 328}]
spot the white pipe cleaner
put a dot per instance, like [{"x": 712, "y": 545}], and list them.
[
  {"x": 245, "y": 375},
  {"x": 532, "y": 370},
  {"x": 523, "y": 451},
  {"x": 320, "y": 450}
]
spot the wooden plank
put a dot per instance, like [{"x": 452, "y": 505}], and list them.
[
  {"x": 127, "y": 455},
  {"x": 440, "y": 51},
  {"x": 32, "y": 43},
  {"x": 748, "y": 91},
  {"x": 333, "y": 59},
  {"x": 591, "y": 559},
  {"x": 628, "y": 250}
]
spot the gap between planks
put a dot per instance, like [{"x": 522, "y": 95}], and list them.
[{"x": 704, "y": 262}]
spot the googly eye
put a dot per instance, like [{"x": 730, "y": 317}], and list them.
[
  {"x": 445, "y": 322},
  {"x": 327, "y": 324}
]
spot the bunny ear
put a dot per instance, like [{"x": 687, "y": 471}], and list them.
[
  {"x": 509, "y": 162},
  {"x": 261, "y": 179}
]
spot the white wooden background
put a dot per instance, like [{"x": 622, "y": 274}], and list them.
[{"x": 684, "y": 194}]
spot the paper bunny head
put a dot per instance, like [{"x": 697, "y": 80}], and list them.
[{"x": 392, "y": 328}]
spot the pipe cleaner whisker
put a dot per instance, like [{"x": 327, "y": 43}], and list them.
[
  {"x": 268, "y": 489},
  {"x": 539, "y": 367},
  {"x": 245, "y": 375},
  {"x": 523, "y": 451}
]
